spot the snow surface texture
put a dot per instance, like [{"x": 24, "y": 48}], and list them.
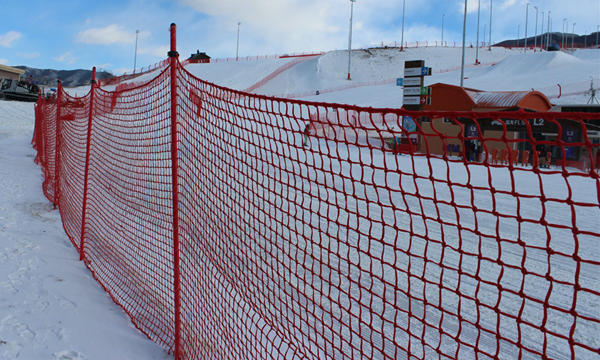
[
  {"x": 91, "y": 304},
  {"x": 50, "y": 306},
  {"x": 374, "y": 73}
]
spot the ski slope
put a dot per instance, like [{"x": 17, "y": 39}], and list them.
[{"x": 50, "y": 306}]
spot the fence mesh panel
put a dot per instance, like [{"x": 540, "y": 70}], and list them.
[{"x": 310, "y": 230}]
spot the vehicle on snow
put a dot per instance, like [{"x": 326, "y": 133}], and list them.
[{"x": 19, "y": 90}]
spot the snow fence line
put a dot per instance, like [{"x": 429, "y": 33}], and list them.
[{"x": 233, "y": 225}]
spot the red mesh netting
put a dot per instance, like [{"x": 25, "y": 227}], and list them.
[{"x": 309, "y": 230}]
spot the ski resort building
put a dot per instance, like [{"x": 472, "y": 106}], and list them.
[{"x": 9, "y": 72}]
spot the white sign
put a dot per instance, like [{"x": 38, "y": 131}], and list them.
[
  {"x": 414, "y": 81},
  {"x": 418, "y": 71},
  {"x": 411, "y": 100},
  {"x": 412, "y": 91}
]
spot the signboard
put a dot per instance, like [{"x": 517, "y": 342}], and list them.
[
  {"x": 418, "y": 71},
  {"x": 399, "y": 81},
  {"x": 413, "y": 91},
  {"x": 408, "y": 123},
  {"x": 413, "y": 81},
  {"x": 411, "y": 100}
]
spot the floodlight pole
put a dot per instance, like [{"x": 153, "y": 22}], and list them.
[
  {"x": 536, "y": 28},
  {"x": 563, "y": 32},
  {"x": 526, "y": 19},
  {"x": 462, "y": 65},
  {"x": 490, "y": 39},
  {"x": 477, "y": 41},
  {"x": 237, "y": 48},
  {"x": 573, "y": 38},
  {"x": 548, "y": 37},
  {"x": 350, "y": 36},
  {"x": 135, "y": 55},
  {"x": 443, "y": 15},
  {"x": 541, "y": 33},
  {"x": 402, "y": 37}
]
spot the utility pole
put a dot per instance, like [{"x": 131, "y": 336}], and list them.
[
  {"x": 490, "y": 39},
  {"x": 402, "y": 38},
  {"x": 526, "y": 18},
  {"x": 350, "y": 36},
  {"x": 462, "y": 65},
  {"x": 135, "y": 55},
  {"x": 237, "y": 48},
  {"x": 573, "y": 37},
  {"x": 536, "y": 28},
  {"x": 477, "y": 41}
]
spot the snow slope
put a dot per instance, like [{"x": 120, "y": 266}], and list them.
[{"x": 50, "y": 306}]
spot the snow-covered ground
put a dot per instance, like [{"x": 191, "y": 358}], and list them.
[{"x": 50, "y": 306}]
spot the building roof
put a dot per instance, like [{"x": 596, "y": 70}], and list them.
[
  {"x": 455, "y": 98},
  {"x": 12, "y": 69}
]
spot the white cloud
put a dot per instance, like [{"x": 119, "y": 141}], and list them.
[
  {"x": 7, "y": 39},
  {"x": 66, "y": 58},
  {"x": 3, "y": 61},
  {"x": 108, "y": 35}
]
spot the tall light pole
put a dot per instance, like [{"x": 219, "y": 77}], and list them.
[
  {"x": 462, "y": 64},
  {"x": 526, "y": 18},
  {"x": 135, "y": 55},
  {"x": 477, "y": 41},
  {"x": 573, "y": 37},
  {"x": 490, "y": 39},
  {"x": 563, "y": 32},
  {"x": 548, "y": 37},
  {"x": 542, "y": 33},
  {"x": 402, "y": 38},
  {"x": 597, "y": 32},
  {"x": 536, "y": 27},
  {"x": 350, "y": 36},
  {"x": 237, "y": 48},
  {"x": 444, "y": 15}
]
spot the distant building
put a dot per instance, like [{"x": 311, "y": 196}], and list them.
[
  {"x": 8, "y": 72},
  {"x": 199, "y": 58},
  {"x": 446, "y": 97}
]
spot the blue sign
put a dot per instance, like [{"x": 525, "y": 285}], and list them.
[
  {"x": 425, "y": 71},
  {"x": 399, "y": 81}
]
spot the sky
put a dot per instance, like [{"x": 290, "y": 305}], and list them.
[{"x": 76, "y": 34}]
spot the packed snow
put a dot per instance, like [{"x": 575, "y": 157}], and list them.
[{"x": 52, "y": 308}]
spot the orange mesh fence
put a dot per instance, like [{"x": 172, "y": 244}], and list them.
[{"x": 235, "y": 226}]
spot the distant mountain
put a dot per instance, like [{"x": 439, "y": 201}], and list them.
[
  {"x": 578, "y": 41},
  {"x": 69, "y": 78}
]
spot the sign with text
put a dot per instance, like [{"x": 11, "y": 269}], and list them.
[
  {"x": 399, "y": 82},
  {"x": 420, "y": 71}
]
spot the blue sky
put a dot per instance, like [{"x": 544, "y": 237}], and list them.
[{"x": 70, "y": 34}]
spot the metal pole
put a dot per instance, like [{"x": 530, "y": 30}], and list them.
[
  {"x": 443, "y": 15},
  {"x": 237, "y": 48},
  {"x": 535, "y": 32},
  {"x": 597, "y": 32},
  {"x": 490, "y": 39},
  {"x": 462, "y": 64},
  {"x": 402, "y": 38},
  {"x": 548, "y": 38},
  {"x": 563, "y": 32},
  {"x": 573, "y": 37},
  {"x": 526, "y": 18},
  {"x": 173, "y": 56},
  {"x": 350, "y": 36},
  {"x": 135, "y": 56},
  {"x": 542, "y": 40},
  {"x": 477, "y": 41}
]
